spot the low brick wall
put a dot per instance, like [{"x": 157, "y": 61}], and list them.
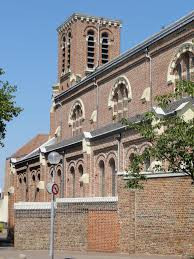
[
  {"x": 80, "y": 224},
  {"x": 156, "y": 220}
]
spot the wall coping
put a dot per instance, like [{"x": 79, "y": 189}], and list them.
[
  {"x": 47, "y": 205},
  {"x": 32, "y": 206},
  {"x": 150, "y": 175},
  {"x": 87, "y": 200}
]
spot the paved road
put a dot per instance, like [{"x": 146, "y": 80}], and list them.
[{"x": 11, "y": 253}]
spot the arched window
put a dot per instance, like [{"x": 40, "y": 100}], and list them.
[
  {"x": 120, "y": 102},
  {"x": 82, "y": 187},
  {"x": 102, "y": 178},
  {"x": 76, "y": 118},
  {"x": 146, "y": 164},
  {"x": 69, "y": 51},
  {"x": 59, "y": 175},
  {"x": 91, "y": 49},
  {"x": 73, "y": 182},
  {"x": 38, "y": 175},
  {"x": 187, "y": 65},
  {"x": 131, "y": 157},
  {"x": 63, "y": 46},
  {"x": 179, "y": 71},
  {"x": 113, "y": 172},
  {"x": 181, "y": 67},
  {"x": 33, "y": 178},
  {"x": 119, "y": 97},
  {"x": 104, "y": 50}
]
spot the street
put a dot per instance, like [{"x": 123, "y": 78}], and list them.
[{"x": 11, "y": 253}]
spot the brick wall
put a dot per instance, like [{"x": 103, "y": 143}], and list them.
[
  {"x": 79, "y": 225},
  {"x": 159, "y": 218},
  {"x": 156, "y": 220}
]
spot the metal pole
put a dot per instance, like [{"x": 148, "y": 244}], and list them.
[
  {"x": 150, "y": 79},
  {"x": 52, "y": 220}
]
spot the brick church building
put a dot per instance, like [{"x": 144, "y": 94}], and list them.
[{"x": 97, "y": 86}]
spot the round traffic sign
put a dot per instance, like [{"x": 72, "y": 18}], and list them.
[
  {"x": 55, "y": 189},
  {"x": 49, "y": 187}
]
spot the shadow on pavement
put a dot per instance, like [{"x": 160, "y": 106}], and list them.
[{"x": 5, "y": 240}]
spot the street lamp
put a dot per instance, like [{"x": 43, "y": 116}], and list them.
[{"x": 53, "y": 158}]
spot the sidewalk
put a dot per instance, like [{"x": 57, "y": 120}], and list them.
[{"x": 11, "y": 253}]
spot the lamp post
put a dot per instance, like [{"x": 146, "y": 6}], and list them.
[{"x": 53, "y": 158}]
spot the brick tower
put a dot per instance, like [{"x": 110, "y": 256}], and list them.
[{"x": 84, "y": 43}]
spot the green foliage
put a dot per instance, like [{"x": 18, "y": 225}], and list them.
[
  {"x": 170, "y": 136},
  {"x": 8, "y": 108},
  {"x": 1, "y": 227}
]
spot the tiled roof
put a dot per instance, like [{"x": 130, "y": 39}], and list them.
[
  {"x": 64, "y": 143},
  {"x": 36, "y": 151},
  {"x": 35, "y": 142}
]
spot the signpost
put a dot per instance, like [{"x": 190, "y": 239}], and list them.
[{"x": 53, "y": 158}]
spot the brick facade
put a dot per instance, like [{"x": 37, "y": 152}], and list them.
[{"x": 87, "y": 105}]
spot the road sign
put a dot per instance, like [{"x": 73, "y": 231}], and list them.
[
  {"x": 55, "y": 189},
  {"x": 49, "y": 187}
]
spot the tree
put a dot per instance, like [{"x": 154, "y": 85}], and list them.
[
  {"x": 170, "y": 136},
  {"x": 8, "y": 108}
]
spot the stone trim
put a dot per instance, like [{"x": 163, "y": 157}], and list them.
[
  {"x": 150, "y": 175},
  {"x": 87, "y": 200},
  {"x": 81, "y": 104},
  {"x": 32, "y": 206},
  {"x": 185, "y": 47},
  {"x": 120, "y": 80}
]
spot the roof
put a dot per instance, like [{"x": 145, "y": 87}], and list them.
[
  {"x": 88, "y": 17},
  {"x": 113, "y": 128},
  {"x": 65, "y": 143},
  {"x": 107, "y": 130},
  {"x": 173, "y": 107},
  {"x": 36, "y": 152},
  {"x": 30, "y": 145},
  {"x": 140, "y": 47}
]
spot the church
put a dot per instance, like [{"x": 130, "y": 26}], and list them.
[{"x": 98, "y": 86}]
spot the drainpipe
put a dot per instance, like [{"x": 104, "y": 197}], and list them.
[
  {"x": 61, "y": 123},
  {"x": 63, "y": 177},
  {"x": 118, "y": 138},
  {"x": 150, "y": 78},
  {"x": 97, "y": 101}
]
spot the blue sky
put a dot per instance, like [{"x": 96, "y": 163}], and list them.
[{"x": 28, "y": 50}]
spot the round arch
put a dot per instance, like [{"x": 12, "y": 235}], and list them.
[
  {"x": 185, "y": 47},
  {"x": 120, "y": 80},
  {"x": 78, "y": 102}
]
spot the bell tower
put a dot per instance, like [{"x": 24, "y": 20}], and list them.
[{"x": 85, "y": 43}]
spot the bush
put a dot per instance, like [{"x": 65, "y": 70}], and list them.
[{"x": 1, "y": 227}]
